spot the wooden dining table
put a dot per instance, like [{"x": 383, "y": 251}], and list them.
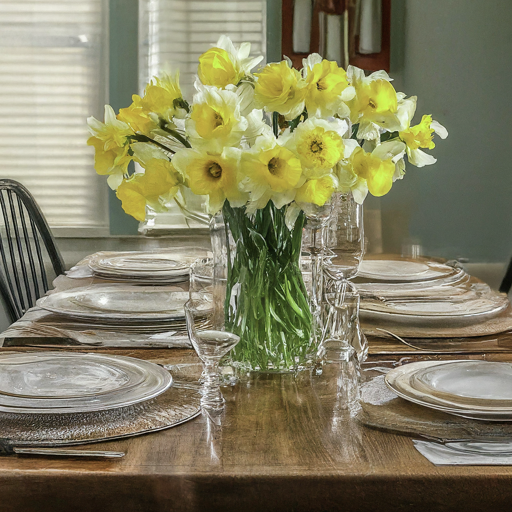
[{"x": 284, "y": 444}]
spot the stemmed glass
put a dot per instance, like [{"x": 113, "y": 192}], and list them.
[{"x": 206, "y": 330}]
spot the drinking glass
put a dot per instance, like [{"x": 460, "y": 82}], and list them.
[
  {"x": 206, "y": 330},
  {"x": 317, "y": 218},
  {"x": 343, "y": 345},
  {"x": 344, "y": 239}
]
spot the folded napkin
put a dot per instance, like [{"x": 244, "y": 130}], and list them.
[{"x": 466, "y": 453}]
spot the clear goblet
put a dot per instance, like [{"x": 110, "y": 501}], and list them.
[{"x": 206, "y": 330}]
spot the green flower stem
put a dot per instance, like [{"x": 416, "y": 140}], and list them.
[
  {"x": 144, "y": 138},
  {"x": 266, "y": 300},
  {"x": 177, "y": 136}
]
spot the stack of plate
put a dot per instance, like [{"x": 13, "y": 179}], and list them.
[
  {"x": 155, "y": 267},
  {"x": 479, "y": 390},
  {"x": 59, "y": 382},
  {"x": 424, "y": 293},
  {"x": 124, "y": 307}
]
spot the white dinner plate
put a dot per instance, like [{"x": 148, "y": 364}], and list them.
[
  {"x": 431, "y": 312},
  {"x": 400, "y": 381},
  {"x": 116, "y": 303},
  {"x": 60, "y": 382}
]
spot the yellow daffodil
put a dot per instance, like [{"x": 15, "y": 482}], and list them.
[
  {"x": 420, "y": 136},
  {"x": 112, "y": 132},
  {"x": 110, "y": 142},
  {"x": 215, "y": 121},
  {"x": 271, "y": 172},
  {"x": 280, "y": 89},
  {"x": 159, "y": 181},
  {"x": 375, "y": 104},
  {"x": 214, "y": 175},
  {"x": 316, "y": 191},
  {"x": 225, "y": 65},
  {"x": 377, "y": 167},
  {"x": 113, "y": 162},
  {"x": 318, "y": 143},
  {"x": 162, "y": 97},
  {"x": 328, "y": 88},
  {"x": 138, "y": 119}
]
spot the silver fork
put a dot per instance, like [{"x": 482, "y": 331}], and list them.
[{"x": 445, "y": 351}]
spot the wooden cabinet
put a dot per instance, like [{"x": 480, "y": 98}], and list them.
[{"x": 353, "y": 32}]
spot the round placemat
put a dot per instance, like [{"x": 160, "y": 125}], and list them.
[
  {"x": 177, "y": 405},
  {"x": 382, "y": 409}
]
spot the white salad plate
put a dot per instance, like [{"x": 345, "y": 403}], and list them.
[
  {"x": 121, "y": 303},
  {"x": 470, "y": 389},
  {"x": 468, "y": 383},
  {"x": 404, "y": 270},
  {"x": 59, "y": 382}
]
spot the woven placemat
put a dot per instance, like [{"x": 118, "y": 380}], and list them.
[
  {"x": 384, "y": 410},
  {"x": 178, "y": 404}
]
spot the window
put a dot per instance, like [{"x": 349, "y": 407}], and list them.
[
  {"x": 174, "y": 33},
  {"x": 52, "y": 77}
]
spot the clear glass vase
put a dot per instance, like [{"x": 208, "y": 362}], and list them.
[{"x": 266, "y": 302}]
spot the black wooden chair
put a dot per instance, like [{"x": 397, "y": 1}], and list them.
[
  {"x": 506, "y": 284},
  {"x": 28, "y": 252}
]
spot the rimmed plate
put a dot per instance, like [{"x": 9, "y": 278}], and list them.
[
  {"x": 131, "y": 304},
  {"x": 468, "y": 383},
  {"x": 399, "y": 381},
  {"x": 454, "y": 284},
  {"x": 435, "y": 312},
  {"x": 162, "y": 265},
  {"x": 404, "y": 270},
  {"x": 59, "y": 382}
]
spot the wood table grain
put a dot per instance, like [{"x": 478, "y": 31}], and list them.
[{"x": 284, "y": 445}]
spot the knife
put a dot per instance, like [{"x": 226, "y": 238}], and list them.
[
  {"x": 8, "y": 448},
  {"x": 46, "y": 341}
]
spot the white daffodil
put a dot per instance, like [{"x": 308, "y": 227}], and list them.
[
  {"x": 271, "y": 172},
  {"x": 215, "y": 121},
  {"x": 256, "y": 126}
]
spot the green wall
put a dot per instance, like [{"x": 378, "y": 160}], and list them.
[
  {"x": 456, "y": 56},
  {"x": 123, "y": 83}
]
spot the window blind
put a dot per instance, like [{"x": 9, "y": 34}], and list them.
[
  {"x": 174, "y": 33},
  {"x": 52, "y": 77}
]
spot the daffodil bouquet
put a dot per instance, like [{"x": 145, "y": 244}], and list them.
[{"x": 261, "y": 146}]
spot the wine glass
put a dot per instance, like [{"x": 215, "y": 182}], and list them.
[{"x": 206, "y": 330}]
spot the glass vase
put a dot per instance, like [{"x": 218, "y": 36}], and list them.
[{"x": 266, "y": 302}]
